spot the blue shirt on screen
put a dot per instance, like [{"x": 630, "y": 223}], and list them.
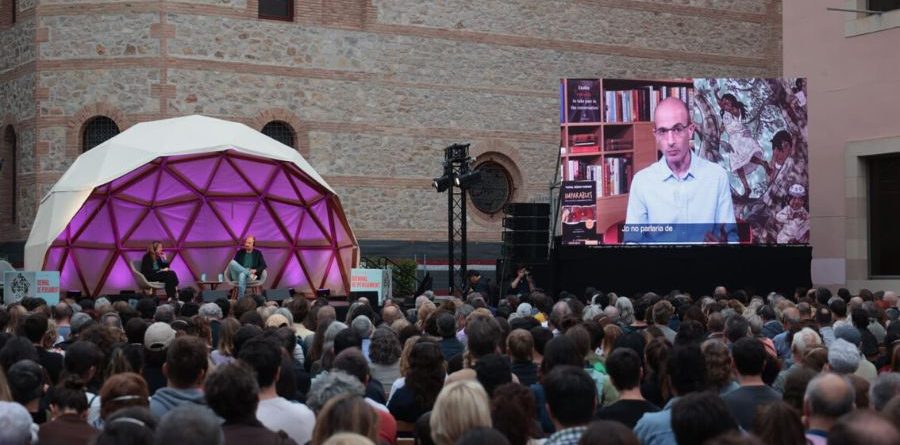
[{"x": 658, "y": 196}]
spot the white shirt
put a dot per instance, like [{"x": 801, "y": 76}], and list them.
[{"x": 295, "y": 419}]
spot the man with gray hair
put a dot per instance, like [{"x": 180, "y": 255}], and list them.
[
  {"x": 843, "y": 357},
  {"x": 164, "y": 313},
  {"x": 16, "y": 425},
  {"x": 790, "y": 319},
  {"x": 189, "y": 426},
  {"x": 560, "y": 311},
  {"x": 828, "y": 397},
  {"x": 363, "y": 327},
  {"x": 883, "y": 389},
  {"x": 210, "y": 311},
  {"x": 626, "y": 311},
  {"x": 804, "y": 341},
  {"x": 332, "y": 384}
]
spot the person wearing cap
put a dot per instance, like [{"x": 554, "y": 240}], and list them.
[
  {"x": 866, "y": 369},
  {"x": 794, "y": 218},
  {"x": 185, "y": 369},
  {"x": 157, "y": 338}
]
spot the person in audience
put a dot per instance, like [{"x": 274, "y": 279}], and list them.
[
  {"x": 35, "y": 328},
  {"x": 185, "y": 369},
  {"x": 352, "y": 362},
  {"x": 446, "y": 328},
  {"x": 187, "y": 426},
  {"x": 276, "y": 413},
  {"x": 520, "y": 348},
  {"x": 625, "y": 371},
  {"x": 685, "y": 368},
  {"x": 26, "y": 383},
  {"x": 345, "y": 413},
  {"x": 863, "y": 427},
  {"x": 778, "y": 423},
  {"x": 233, "y": 394},
  {"x": 68, "y": 408},
  {"x": 384, "y": 358},
  {"x": 423, "y": 382},
  {"x": 843, "y": 357},
  {"x": 885, "y": 388},
  {"x": 122, "y": 391},
  {"x": 607, "y": 432},
  {"x": 459, "y": 407},
  {"x": 828, "y": 397},
  {"x": 134, "y": 425},
  {"x": 224, "y": 352},
  {"x": 513, "y": 413},
  {"x": 247, "y": 264},
  {"x": 155, "y": 267},
  {"x": 481, "y": 435},
  {"x": 16, "y": 425},
  {"x": 700, "y": 416},
  {"x": 719, "y": 367},
  {"x": 803, "y": 341},
  {"x": 749, "y": 356},
  {"x": 571, "y": 400}
]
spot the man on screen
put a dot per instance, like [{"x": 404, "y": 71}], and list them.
[{"x": 680, "y": 188}]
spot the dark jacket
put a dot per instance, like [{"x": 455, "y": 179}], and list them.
[
  {"x": 67, "y": 429},
  {"x": 252, "y": 431},
  {"x": 147, "y": 265},
  {"x": 256, "y": 261},
  {"x": 527, "y": 372}
]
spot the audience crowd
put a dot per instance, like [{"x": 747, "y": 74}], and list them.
[{"x": 595, "y": 368}]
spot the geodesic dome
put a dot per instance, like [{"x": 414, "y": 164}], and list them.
[{"x": 200, "y": 185}]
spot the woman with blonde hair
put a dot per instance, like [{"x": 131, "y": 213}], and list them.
[
  {"x": 347, "y": 413},
  {"x": 459, "y": 407},
  {"x": 719, "y": 371}
]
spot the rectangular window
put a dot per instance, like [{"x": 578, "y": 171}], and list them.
[
  {"x": 276, "y": 10},
  {"x": 884, "y": 194},
  {"x": 883, "y": 5}
]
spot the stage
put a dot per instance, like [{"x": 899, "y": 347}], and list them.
[{"x": 694, "y": 269}]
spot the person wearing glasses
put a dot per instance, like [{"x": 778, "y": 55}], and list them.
[{"x": 681, "y": 188}]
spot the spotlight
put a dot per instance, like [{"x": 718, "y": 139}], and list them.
[
  {"x": 443, "y": 183},
  {"x": 468, "y": 179}
]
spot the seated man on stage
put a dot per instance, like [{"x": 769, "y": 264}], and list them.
[
  {"x": 248, "y": 263},
  {"x": 155, "y": 267}
]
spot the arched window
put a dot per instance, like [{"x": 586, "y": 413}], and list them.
[
  {"x": 8, "y": 173},
  {"x": 280, "y": 131},
  {"x": 97, "y": 131},
  {"x": 494, "y": 191}
]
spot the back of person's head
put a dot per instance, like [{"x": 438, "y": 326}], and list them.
[
  {"x": 795, "y": 386},
  {"x": 345, "y": 413},
  {"x": 608, "y": 432},
  {"x": 346, "y": 338},
  {"x": 513, "y": 413},
  {"x": 687, "y": 369},
  {"x": 15, "y": 424},
  {"x": 232, "y": 392},
  {"x": 446, "y": 324},
  {"x": 15, "y": 350},
  {"x": 35, "y": 326},
  {"x": 624, "y": 368},
  {"x": 187, "y": 425},
  {"x": 348, "y": 439},
  {"x": 80, "y": 357},
  {"x": 699, "y": 416},
  {"x": 561, "y": 350},
  {"x": 863, "y": 427},
  {"x": 690, "y": 331},
  {"x": 749, "y": 356},
  {"x": 121, "y": 391},
  {"x": 264, "y": 356},
  {"x": 662, "y": 312},
  {"x": 778, "y": 423},
  {"x": 69, "y": 394},
  {"x": 719, "y": 364},
  {"x": 843, "y": 357},
  {"x": 482, "y": 435},
  {"x": 362, "y": 325},
  {"x": 492, "y": 370},
  {"x": 26, "y": 381},
  {"x": 571, "y": 395},
  {"x": 541, "y": 337},
  {"x": 352, "y": 361},
  {"x": 328, "y": 385},
  {"x": 883, "y": 389},
  {"x": 736, "y": 327},
  {"x": 385, "y": 347},
  {"x": 459, "y": 407},
  {"x": 129, "y": 426},
  {"x": 828, "y": 396},
  {"x": 860, "y": 318},
  {"x": 520, "y": 345},
  {"x": 186, "y": 362},
  {"x": 482, "y": 336}
]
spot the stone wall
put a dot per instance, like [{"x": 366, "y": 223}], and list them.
[{"x": 373, "y": 88}]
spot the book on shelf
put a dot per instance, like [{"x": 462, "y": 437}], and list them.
[
  {"x": 617, "y": 171},
  {"x": 617, "y": 144},
  {"x": 639, "y": 104},
  {"x": 584, "y": 143}
]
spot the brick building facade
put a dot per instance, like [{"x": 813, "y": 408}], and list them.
[{"x": 372, "y": 90}]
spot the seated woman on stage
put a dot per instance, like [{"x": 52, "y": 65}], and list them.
[
  {"x": 248, "y": 263},
  {"x": 155, "y": 267}
]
